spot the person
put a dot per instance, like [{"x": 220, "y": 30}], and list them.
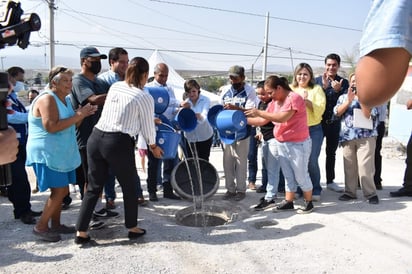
[
  {"x": 161, "y": 74},
  {"x": 128, "y": 112},
  {"x": 288, "y": 111},
  {"x": 333, "y": 85},
  {"x": 9, "y": 145},
  {"x": 118, "y": 62},
  {"x": 52, "y": 134},
  {"x": 386, "y": 49},
  {"x": 406, "y": 189},
  {"x": 315, "y": 101},
  {"x": 270, "y": 155},
  {"x": 88, "y": 88},
  {"x": 238, "y": 95},
  {"x": 19, "y": 192},
  {"x": 142, "y": 149},
  {"x": 381, "y": 129},
  {"x": 31, "y": 95},
  {"x": 358, "y": 146},
  {"x": 199, "y": 140}
]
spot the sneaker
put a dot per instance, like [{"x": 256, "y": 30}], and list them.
[
  {"x": 95, "y": 224},
  {"x": 110, "y": 204},
  {"x": 308, "y": 208},
  {"x": 239, "y": 196},
  {"x": 345, "y": 197},
  {"x": 334, "y": 187},
  {"x": 153, "y": 197},
  {"x": 284, "y": 205},
  {"x": 104, "y": 213},
  {"x": 261, "y": 189},
  {"x": 47, "y": 236},
  {"x": 252, "y": 186},
  {"x": 264, "y": 204},
  {"x": 316, "y": 198},
  {"x": 374, "y": 200},
  {"x": 229, "y": 195}
]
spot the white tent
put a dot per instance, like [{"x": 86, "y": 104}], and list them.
[{"x": 176, "y": 81}]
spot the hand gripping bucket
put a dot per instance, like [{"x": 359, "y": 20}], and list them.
[
  {"x": 168, "y": 140},
  {"x": 161, "y": 98},
  {"x": 186, "y": 119}
]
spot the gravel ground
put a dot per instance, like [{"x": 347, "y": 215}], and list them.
[{"x": 338, "y": 237}]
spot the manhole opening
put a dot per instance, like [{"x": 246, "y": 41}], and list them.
[{"x": 208, "y": 217}]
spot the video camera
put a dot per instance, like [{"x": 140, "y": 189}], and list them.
[{"x": 14, "y": 26}]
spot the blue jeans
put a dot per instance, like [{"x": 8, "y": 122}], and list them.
[
  {"x": 294, "y": 157},
  {"x": 271, "y": 158},
  {"x": 316, "y": 135}
]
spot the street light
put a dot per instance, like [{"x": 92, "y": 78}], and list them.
[{"x": 253, "y": 65}]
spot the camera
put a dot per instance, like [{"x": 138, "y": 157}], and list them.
[{"x": 15, "y": 27}]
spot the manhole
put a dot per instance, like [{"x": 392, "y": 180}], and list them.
[{"x": 208, "y": 216}]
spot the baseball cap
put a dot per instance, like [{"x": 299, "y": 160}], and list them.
[
  {"x": 91, "y": 52},
  {"x": 237, "y": 71}
]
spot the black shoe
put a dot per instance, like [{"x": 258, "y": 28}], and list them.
[
  {"x": 135, "y": 235},
  {"x": 36, "y": 213},
  {"x": 27, "y": 219},
  {"x": 378, "y": 186},
  {"x": 264, "y": 204},
  {"x": 81, "y": 240},
  {"x": 346, "y": 197},
  {"x": 284, "y": 205},
  {"x": 308, "y": 208},
  {"x": 153, "y": 197},
  {"x": 105, "y": 213},
  {"x": 170, "y": 195},
  {"x": 401, "y": 193},
  {"x": 261, "y": 190},
  {"x": 374, "y": 200}
]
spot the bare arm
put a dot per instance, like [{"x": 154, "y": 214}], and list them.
[
  {"x": 279, "y": 117},
  {"x": 9, "y": 146}
]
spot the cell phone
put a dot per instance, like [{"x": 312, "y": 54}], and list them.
[{"x": 354, "y": 90}]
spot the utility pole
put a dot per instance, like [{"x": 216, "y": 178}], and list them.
[
  {"x": 2, "y": 65},
  {"x": 265, "y": 48},
  {"x": 52, "y": 53}
]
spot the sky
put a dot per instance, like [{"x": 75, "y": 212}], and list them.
[{"x": 197, "y": 35}]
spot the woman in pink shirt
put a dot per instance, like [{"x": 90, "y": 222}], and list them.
[{"x": 288, "y": 112}]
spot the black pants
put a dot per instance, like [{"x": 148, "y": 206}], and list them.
[
  {"x": 115, "y": 151},
  {"x": 202, "y": 148},
  {"x": 331, "y": 133},
  {"x": 19, "y": 191},
  {"x": 407, "y": 179},
  {"x": 378, "y": 157}
]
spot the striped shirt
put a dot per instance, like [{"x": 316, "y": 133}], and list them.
[{"x": 128, "y": 110}]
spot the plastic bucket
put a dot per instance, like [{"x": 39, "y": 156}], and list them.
[
  {"x": 168, "y": 141},
  {"x": 186, "y": 119},
  {"x": 212, "y": 113},
  {"x": 229, "y": 138},
  {"x": 161, "y": 98},
  {"x": 230, "y": 121},
  {"x": 166, "y": 124}
]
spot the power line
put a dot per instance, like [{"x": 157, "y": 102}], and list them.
[{"x": 257, "y": 15}]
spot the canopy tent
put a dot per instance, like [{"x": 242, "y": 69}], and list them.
[{"x": 176, "y": 81}]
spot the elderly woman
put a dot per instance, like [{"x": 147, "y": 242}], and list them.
[
  {"x": 128, "y": 112},
  {"x": 200, "y": 139},
  {"x": 52, "y": 148}
]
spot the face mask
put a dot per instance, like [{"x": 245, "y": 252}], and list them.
[
  {"x": 237, "y": 86},
  {"x": 96, "y": 67}
]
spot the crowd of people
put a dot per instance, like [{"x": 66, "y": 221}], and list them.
[{"x": 95, "y": 119}]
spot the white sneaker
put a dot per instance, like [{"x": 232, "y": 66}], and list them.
[{"x": 334, "y": 187}]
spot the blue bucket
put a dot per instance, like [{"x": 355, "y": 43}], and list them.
[
  {"x": 165, "y": 125},
  {"x": 168, "y": 141},
  {"x": 230, "y": 121},
  {"x": 161, "y": 98},
  {"x": 229, "y": 138},
  {"x": 212, "y": 113},
  {"x": 186, "y": 119}
]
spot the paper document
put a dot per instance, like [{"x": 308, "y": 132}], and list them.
[{"x": 360, "y": 121}]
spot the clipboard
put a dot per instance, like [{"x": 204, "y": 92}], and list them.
[{"x": 360, "y": 121}]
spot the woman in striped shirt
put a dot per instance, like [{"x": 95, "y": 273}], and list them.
[{"x": 128, "y": 111}]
